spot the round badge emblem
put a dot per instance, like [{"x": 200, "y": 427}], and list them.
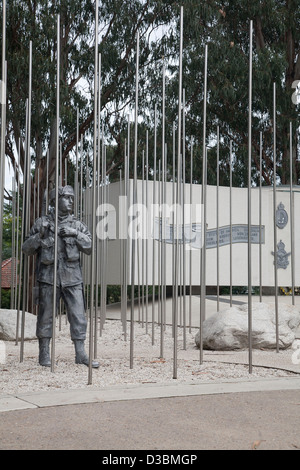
[{"x": 281, "y": 216}]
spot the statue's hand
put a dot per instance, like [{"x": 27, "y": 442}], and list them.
[
  {"x": 43, "y": 229},
  {"x": 68, "y": 232}
]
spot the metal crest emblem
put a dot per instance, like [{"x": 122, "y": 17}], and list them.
[
  {"x": 282, "y": 256},
  {"x": 281, "y": 216}
]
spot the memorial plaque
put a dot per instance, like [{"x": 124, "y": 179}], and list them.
[
  {"x": 239, "y": 235},
  {"x": 191, "y": 234}
]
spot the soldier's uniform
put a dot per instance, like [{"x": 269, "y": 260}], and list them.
[{"x": 69, "y": 276}]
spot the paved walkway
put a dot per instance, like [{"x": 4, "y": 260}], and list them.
[
  {"x": 142, "y": 392},
  {"x": 256, "y": 414},
  {"x": 231, "y": 414}
]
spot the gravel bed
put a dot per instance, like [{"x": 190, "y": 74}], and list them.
[{"x": 114, "y": 357}]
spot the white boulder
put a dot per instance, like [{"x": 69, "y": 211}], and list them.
[
  {"x": 8, "y": 325},
  {"x": 228, "y": 329}
]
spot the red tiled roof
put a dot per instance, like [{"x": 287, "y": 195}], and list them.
[{"x": 6, "y": 274}]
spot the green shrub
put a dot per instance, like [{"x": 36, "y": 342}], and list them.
[{"x": 5, "y": 298}]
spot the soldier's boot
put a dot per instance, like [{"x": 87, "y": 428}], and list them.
[
  {"x": 44, "y": 355},
  {"x": 81, "y": 356}
]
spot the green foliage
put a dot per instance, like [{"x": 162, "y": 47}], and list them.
[
  {"x": 226, "y": 30},
  {"x": 5, "y": 298},
  {"x": 114, "y": 293},
  {"x": 37, "y": 22},
  {"x": 7, "y": 226},
  {"x": 223, "y": 26},
  {"x": 7, "y": 233}
]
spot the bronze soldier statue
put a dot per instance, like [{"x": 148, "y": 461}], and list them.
[{"x": 73, "y": 238}]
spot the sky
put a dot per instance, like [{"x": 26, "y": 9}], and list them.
[{"x": 8, "y": 176}]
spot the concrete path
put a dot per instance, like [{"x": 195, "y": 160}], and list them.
[
  {"x": 236, "y": 414},
  {"x": 142, "y": 392},
  {"x": 257, "y": 414}
]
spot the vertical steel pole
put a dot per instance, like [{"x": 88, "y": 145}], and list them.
[
  {"x": 191, "y": 231},
  {"x": 183, "y": 223},
  {"x": 104, "y": 244},
  {"x": 27, "y": 202},
  {"x": 126, "y": 254},
  {"x": 13, "y": 240},
  {"x": 66, "y": 173},
  {"x": 147, "y": 228},
  {"x": 2, "y": 168},
  {"x": 203, "y": 202},
  {"x": 154, "y": 241},
  {"x": 218, "y": 217},
  {"x": 81, "y": 177},
  {"x": 249, "y": 204},
  {"x": 274, "y": 217},
  {"x": 93, "y": 259},
  {"x": 60, "y": 164},
  {"x": 122, "y": 247},
  {"x": 159, "y": 244},
  {"x": 163, "y": 215},
  {"x": 134, "y": 202},
  {"x": 126, "y": 242},
  {"x": 47, "y": 183},
  {"x": 76, "y": 167},
  {"x": 138, "y": 273},
  {"x": 121, "y": 259},
  {"x": 3, "y": 131},
  {"x": 56, "y": 197},
  {"x": 230, "y": 217},
  {"x": 165, "y": 243},
  {"x": 143, "y": 241},
  {"x": 22, "y": 255},
  {"x": 175, "y": 312},
  {"x": 107, "y": 195},
  {"x": 180, "y": 263},
  {"x": 260, "y": 218},
  {"x": 33, "y": 257},
  {"x": 292, "y": 216},
  {"x": 18, "y": 225},
  {"x": 38, "y": 194},
  {"x": 85, "y": 220},
  {"x": 98, "y": 197},
  {"x": 23, "y": 262},
  {"x": 173, "y": 220},
  {"x": 97, "y": 246}
]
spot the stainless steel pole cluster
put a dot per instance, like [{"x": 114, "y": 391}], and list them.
[
  {"x": 3, "y": 131},
  {"x": 250, "y": 202},
  {"x": 130, "y": 252}
]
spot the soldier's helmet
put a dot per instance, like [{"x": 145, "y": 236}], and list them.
[{"x": 62, "y": 191}]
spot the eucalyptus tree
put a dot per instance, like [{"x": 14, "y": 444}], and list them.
[
  {"x": 35, "y": 20},
  {"x": 224, "y": 26}
]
